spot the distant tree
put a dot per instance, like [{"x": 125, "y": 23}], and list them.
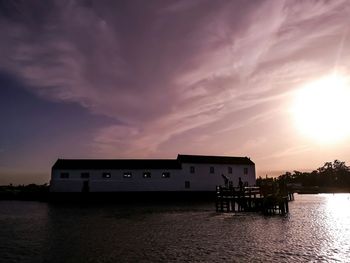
[
  {"x": 331, "y": 174},
  {"x": 297, "y": 176}
]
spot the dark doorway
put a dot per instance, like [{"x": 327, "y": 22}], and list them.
[{"x": 86, "y": 187}]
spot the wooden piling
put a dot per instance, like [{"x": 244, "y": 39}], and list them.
[{"x": 251, "y": 199}]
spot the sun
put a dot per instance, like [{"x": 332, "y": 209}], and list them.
[{"x": 321, "y": 109}]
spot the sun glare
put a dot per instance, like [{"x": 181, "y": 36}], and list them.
[{"x": 321, "y": 109}]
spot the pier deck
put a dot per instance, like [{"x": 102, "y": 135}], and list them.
[{"x": 251, "y": 199}]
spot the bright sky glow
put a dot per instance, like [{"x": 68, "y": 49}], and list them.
[
  {"x": 321, "y": 109},
  {"x": 151, "y": 79}
]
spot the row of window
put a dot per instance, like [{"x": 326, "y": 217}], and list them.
[
  {"x": 212, "y": 170},
  {"x": 146, "y": 174},
  {"x": 109, "y": 175},
  {"x": 126, "y": 175}
]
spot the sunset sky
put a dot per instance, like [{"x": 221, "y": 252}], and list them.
[{"x": 151, "y": 79}]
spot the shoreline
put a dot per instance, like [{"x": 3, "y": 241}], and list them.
[
  {"x": 323, "y": 190},
  {"x": 42, "y": 194}
]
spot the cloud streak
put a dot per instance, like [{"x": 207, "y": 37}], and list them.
[{"x": 169, "y": 69}]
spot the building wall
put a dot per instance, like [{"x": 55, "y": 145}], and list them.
[
  {"x": 180, "y": 179},
  {"x": 203, "y": 180}
]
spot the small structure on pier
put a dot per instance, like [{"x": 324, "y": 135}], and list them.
[{"x": 253, "y": 199}]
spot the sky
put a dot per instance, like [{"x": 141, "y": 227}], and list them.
[{"x": 152, "y": 79}]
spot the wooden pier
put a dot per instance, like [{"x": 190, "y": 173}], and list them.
[{"x": 252, "y": 199}]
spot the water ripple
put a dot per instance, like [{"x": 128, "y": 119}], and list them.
[{"x": 316, "y": 230}]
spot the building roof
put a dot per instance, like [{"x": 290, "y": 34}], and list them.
[
  {"x": 106, "y": 164},
  {"x": 214, "y": 159},
  {"x": 164, "y": 164}
]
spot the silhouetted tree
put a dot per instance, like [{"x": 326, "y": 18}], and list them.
[{"x": 331, "y": 174}]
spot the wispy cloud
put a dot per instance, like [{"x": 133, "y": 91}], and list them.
[
  {"x": 288, "y": 152},
  {"x": 166, "y": 69}
]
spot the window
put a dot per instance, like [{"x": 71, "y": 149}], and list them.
[
  {"x": 230, "y": 170},
  {"x": 127, "y": 175},
  {"x": 146, "y": 175},
  {"x": 85, "y": 175},
  {"x": 165, "y": 175},
  {"x": 192, "y": 170},
  {"x": 245, "y": 171},
  {"x": 64, "y": 175},
  {"x": 211, "y": 169},
  {"x": 106, "y": 175},
  {"x": 187, "y": 184}
]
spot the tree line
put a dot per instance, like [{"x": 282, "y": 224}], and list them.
[
  {"x": 24, "y": 192},
  {"x": 331, "y": 174}
]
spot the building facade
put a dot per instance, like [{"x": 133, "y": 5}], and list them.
[{"x": 186, "y": 173}]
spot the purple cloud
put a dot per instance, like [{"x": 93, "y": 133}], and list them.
[{"x": 176, "y": 71}]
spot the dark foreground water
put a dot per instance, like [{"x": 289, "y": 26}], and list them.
[{"x": 316, "y": 230}]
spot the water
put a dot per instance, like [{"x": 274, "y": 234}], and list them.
[{"x": 316, "y": 230}]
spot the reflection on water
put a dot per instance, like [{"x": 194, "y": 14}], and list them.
[
  {"x": 337, "y": 215},
  {"x": 317, "y": 229}
]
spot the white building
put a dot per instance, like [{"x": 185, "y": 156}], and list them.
[{"x": 186, "y": 173}]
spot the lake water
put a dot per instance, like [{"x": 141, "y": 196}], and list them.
[{"x": 317, "y": 229}]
